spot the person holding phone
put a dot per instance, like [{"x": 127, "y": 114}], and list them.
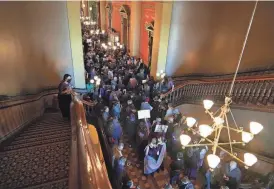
[{"x": 64, "y": 95}]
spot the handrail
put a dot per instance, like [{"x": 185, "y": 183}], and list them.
[
  {"x": 92, "y": 173},
  {"x": 255, "y": 93},
  {"x": 218, "y": 80}
]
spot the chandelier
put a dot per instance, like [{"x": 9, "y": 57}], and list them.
[{"x": 210, "y": 134}]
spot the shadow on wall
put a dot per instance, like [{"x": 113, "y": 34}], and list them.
[
  {"x": 262, "y": 143},
  {"x": 35, "y": 46}
]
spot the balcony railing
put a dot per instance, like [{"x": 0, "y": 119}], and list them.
[{"x": 248, "y": 93}]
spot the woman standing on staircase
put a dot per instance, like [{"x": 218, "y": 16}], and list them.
[{"x": 64, "y": 96}]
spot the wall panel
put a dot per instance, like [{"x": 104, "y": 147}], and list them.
[
  {"x": 207, "y": 37},
  {"x": 35, "y": 46}
]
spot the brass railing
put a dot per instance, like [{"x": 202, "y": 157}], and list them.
[
  {"x": 106, "y": 148},
  {"x": 87, "y": 171}
]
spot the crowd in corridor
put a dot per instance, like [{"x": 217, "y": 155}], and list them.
[{"x": 132, "y": 102}]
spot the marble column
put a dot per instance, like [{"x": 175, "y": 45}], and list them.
[
  {"x": 135, "y": 31},
  {"x": 76, "y": 43},
  {"x": 103, "y": 15},
  {"x": 163, "y": 12}
]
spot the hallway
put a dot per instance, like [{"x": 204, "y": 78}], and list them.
[{"x": 38, "y": 157}]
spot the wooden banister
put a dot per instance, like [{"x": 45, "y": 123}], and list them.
[{"x": 91, "y": 171}]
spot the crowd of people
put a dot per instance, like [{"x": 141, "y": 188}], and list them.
[
  {"x": 131, "y": 102},
  {"x": 123, "y": 87}
]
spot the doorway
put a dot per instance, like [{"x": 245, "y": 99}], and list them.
[
  {"x": 150, "y": 29},
  {"x": 124, "y": 36}
]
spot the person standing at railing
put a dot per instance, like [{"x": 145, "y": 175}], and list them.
[{"x": 64, "y": 95}]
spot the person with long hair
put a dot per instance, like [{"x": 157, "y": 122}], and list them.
[{"x": 64, "y": 95}]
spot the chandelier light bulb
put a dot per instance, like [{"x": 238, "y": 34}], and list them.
[
  {"x": 118, "y": 44},
  {"x": 121, "y": 46},
  {"x": 255, "y": 127},
  {"x": 247, "y": 137},
  {"x": 91, "y": 31},
  {"x": 205, "y": 130},
  {"x": 103, "y": 44},
  {"x": 161, "y": 71},
  {"x": 190, "y": 121},
  {"x": 83, "y": 5},
  {"x": 208, "y": 104},
  {"x": 90, "y": 8},
  {"x": 103, "y": 31},
  {"x": 109, "y": 43},
  {"x": 213, "y": 161},
  {"x": 163, "y": 75},
  {"x": 106, "y": 47},
  {"x": 157, "y": 74},
  {"x": 114, "y": 47},
  {"x": 219, "y": 120},
  {"x": 185, "y": 139},
  {"x": 116, "y": 39},
  {"x": 91, "y": 81},
  {"x": 96, "y": 77},
  {"x": 250, "y": 159}
]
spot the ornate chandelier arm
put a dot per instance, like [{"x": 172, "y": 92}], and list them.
[
  {"x": 228, "y": 132},
  {"x": 211, "y": 144},
  {"x": 196, "y": 145},
  {"x": 230, "y": 154},
  {"x": 237, "y": 130},
  {"x": 233, "y": 119}
]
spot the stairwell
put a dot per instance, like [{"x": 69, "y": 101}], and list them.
[{"x": 38, "y": 156}]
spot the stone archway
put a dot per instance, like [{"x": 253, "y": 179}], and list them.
[
  {"x": 150, "y": 29},
  {"x": 125, "y": 13}
]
